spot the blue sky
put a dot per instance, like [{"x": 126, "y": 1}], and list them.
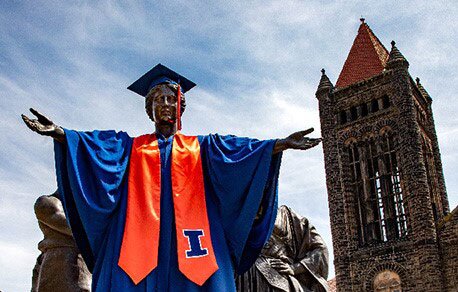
[{"x": 257, "y": 66}]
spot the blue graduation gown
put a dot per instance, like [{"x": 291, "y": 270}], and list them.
[{"x": 240, "y": 174}]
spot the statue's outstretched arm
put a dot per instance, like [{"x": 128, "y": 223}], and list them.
[
  {"x": 296, "y": 140},
  {"x": 44, "y": 126}
]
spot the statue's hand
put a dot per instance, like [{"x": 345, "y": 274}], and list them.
[
  {"x": 299, "y": 141},
  {"x": 296, "y": 140},
  {"x": 281, "y": 267},
  {"x": 44, "y": 126}
]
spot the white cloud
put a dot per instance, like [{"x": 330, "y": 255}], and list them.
[{"x": 16, "y": 262}]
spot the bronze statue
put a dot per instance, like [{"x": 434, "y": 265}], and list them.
[
  {"x": 294, "y": 259},
  {"x": 116, "y": 241},
  {"x": 60, "y": 266}
]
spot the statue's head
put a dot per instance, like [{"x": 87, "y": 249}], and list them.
[
  {"x": 160, "y": 86},
  {"x": 387, "y": 281},
  {"x": 161, "y": 103}
]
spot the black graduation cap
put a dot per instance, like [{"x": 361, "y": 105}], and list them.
[{"x": 160, "y": 74}]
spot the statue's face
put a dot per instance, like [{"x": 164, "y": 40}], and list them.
[
  {"x": 164, "y": 105},
  {"x": 387, "y": 281}
]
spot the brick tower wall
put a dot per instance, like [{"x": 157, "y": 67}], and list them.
[{"x": 415, "y": 255}]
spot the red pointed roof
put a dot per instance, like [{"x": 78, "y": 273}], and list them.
[{"x": 367, "y": 58}]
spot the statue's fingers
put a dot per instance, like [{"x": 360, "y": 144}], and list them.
[
  {"x": 31, "y": 124},
  {"x": 309, "y": 143},
  {"x": 34, "y": 111},
  {"x": 24, "y": 118},
  {"x": 276, "y": 263},
  {"x": 27, "y": 120},
  {"x": 280, "y": 265},
  {"x": 306, "y": 132},
  {"x": 312, "y": 139},
  {"x": 42, "y": 118},
  {"x": 314, "y": 143},
  {"x": 282, "y": 269}
]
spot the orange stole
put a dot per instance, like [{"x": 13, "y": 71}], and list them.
[
  {"x": 139, "y": 249},
  {"x": 191, "y": 208},
  {"x": 140, "y": 242}
]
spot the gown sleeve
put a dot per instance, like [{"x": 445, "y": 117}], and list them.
[
  {"x": 90, "y": 169},
  {"x": 242, "y": 176}
]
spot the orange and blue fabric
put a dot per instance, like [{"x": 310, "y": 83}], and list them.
[
  {"x": 230, "y": 176},
  {"x": 139, "y": 249}
]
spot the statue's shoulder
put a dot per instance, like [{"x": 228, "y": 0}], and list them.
[{"x": 47, "y": 204}]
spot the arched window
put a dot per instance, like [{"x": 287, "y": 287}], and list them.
[
  {"x": 343, "y": 117},
  {"x": 357, "y": 186},
  {"x": 376, "y": 182},
  {"x": 392, "y": 194},
  {"x": 374, "y": 106},
  {"x": 353, "y": 113},
  {"x": 386, "y": 101},
  {"x": 364, "y": 110}
]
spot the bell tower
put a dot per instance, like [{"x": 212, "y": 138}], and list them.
[{"x": 384, "y": 176}]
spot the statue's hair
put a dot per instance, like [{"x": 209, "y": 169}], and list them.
[{"x": 151, "y": 93}]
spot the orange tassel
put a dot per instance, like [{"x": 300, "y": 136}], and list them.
[{"x": 178, "y": 117}]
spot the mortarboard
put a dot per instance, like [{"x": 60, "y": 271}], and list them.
[{"x": 160, "y": 74}]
